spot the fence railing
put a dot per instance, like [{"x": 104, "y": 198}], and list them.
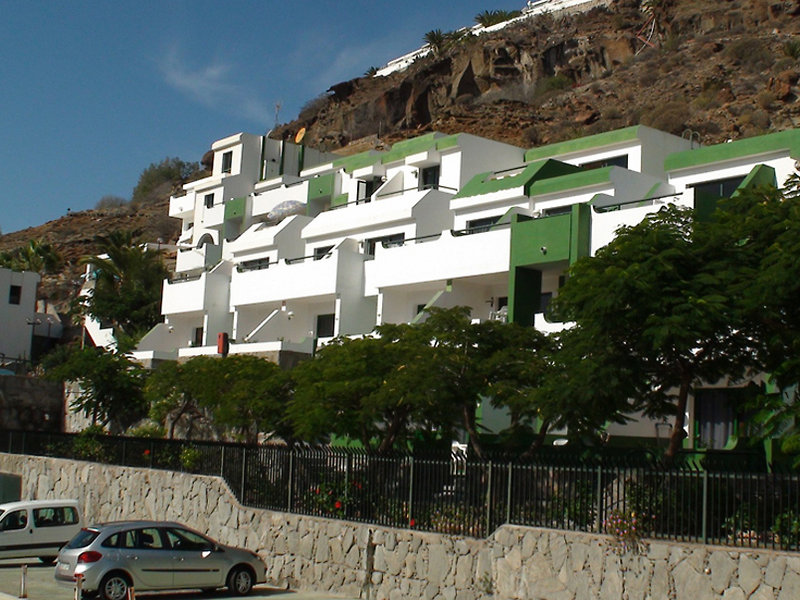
[{"x": 457, "y": 495}]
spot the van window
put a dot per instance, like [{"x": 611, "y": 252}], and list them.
[
  {"x": 55, "y": 516},
  {"x": 17, "y": 519}
]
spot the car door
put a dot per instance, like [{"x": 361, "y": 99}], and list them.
[
  {"x": 16, "y": 534},
  {"x": 147, "y": 558},
  {"x": 199, "y": 565}
]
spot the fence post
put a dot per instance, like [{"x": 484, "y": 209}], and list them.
[
  {"x": 290, "y": 487},
  {"x": 151, "y": 454},
  {"x": 489, "y": 499},
  {"x": 222, "y": 463},
  {"x": 410, "y": 490},
  {"x": 508, "y": 494},
  {"x": 599, "y": 499},
  {"x": 705, "y": 506},
  {"x": 244, "y": 472},
  {"x": 23, "y": 584},
  {"x": 123, "y": 452}
]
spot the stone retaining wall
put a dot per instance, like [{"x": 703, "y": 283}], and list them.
[{"x": 378, "y": 563}]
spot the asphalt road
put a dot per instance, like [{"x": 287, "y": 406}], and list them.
[{"x": 42, "y": 586}]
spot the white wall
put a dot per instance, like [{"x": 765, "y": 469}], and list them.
[{"x": 15, "y": 340}]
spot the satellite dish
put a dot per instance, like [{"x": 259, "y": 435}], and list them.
[{"x": 300, "y": 135}]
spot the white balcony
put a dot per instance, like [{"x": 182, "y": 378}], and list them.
[
  {"x": 445, "y": 257},
  {"x": 302, "y": 278},
  {"x": 184, "y": 295},
  {"x": 181, "y": 207},
  {"x": 212, "y": 217}
]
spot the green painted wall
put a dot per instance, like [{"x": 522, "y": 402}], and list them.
[
  {"x": 528, "y": 237},
  {"x": 234, "y": 208},
  {"x": 585, "y": 143},
  {"x": 339, "y": 200},
  {"x": 784, "y": 140},
  {"x": 486, "y": 183},
  {"x": 321, "y": 187}
]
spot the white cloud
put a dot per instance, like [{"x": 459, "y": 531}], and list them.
[{"x": 214, "y": 86}]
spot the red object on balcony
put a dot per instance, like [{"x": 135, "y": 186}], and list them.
[{"x": 222, "y": 343}]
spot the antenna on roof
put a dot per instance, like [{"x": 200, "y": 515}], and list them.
[{"x": 277, "y": 112}]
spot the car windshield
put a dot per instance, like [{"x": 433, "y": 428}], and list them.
[{"x": 83, "y": 538}]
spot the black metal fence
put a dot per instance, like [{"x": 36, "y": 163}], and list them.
[{"x": 457, "y": 495}]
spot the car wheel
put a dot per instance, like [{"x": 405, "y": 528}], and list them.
[
  {"x": 114, "y": 586},
  {"x": 48, "y": 560},
  {"x": 240, "y": 581}
]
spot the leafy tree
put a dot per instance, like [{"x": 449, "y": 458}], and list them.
[
  {"x": 488, "y": 18},
  {"x": 127, "y": 289},
  {"x": 763, "y": 229},
  {"x": 109, "y": 201},
  {"x": 245, "y": 395},
  {"x": 158, "y": 179},
  {"x": 37, "y": 256},
  {"x": 654, "y": 302},
  {"x": 111, "y": 386},
  {"x": 366, "y": 389}
]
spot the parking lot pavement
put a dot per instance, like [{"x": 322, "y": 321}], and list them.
[{"x": 42, "y": 586}]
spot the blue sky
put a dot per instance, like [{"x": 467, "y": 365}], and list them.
[{"x": 94, "y": 92}]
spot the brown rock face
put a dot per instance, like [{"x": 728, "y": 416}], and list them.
[{"x": 556, "y": 77}]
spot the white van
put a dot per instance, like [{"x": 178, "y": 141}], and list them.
[{"x": 37, "y": 528}]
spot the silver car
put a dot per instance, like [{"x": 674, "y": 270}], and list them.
[{"x": 109, "y": 558}]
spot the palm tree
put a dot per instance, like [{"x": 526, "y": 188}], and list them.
[
  {"x": 436, "y": 40},
  {"x": 492, "y": 17},
  {"x": 36, "y": 256},
  {"x": 127, "y": 287}
]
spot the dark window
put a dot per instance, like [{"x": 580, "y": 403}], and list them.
[
  {"x": 83, "y": 539},
  {"x": 209, "y": 200},
  {"x": 15, "y": 294},
  {"x": 321, "y": 251},
  {"x": 365, "y": 189},
  {"x": 720, "y": 188},
  {"x": 558, "y": 210},
  {"x": 387, "y": 240},
  {"x": 502, "y": 301},
  {"x": 227, "y": 162},
  {"x": 325, "y": 325},
  {"x": 54, "y": 516},
  {"x": 149, "y": 539},
  {"x": 420, "y": 308},
  {"x": 714, "y": 416},
  {"x": 614, "y": 161},
  {"x": 182, "y": 539},
  {"x": 544, "y": 300},
  {"x": 429, "y": 178},
  {"x": 481, "y": 225},
  {"x": 198, "y": 337},
  {"x": 17, "y": 519}
]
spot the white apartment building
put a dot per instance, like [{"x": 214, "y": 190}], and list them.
[{"x": 283, "y": 247}]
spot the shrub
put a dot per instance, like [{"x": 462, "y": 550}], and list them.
[
  {"x": 553, "y": 84},
  {"x": 628, "y": 529},
  {"x": 109, "y": 202},
  {"x": 791, "y": 48},
  {"x": 492, "y": 17},
  {"x": 750, "y": 53},
  {"x": 87, "y": 446},
  {"x": 670, "y": 117}
]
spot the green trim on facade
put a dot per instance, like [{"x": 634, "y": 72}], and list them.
[
  {"x": 487, "y": 183},
  {"x": 580, "y": 244},
  {"x": 585, "y": 143},
  {"x": 357, "y": 161},
  {"x": 524, "y": 293},
  {"x": 339, "y": 200},
  {"x": 321, "y": 187},
  {"x": 575, "y": 180},
  {"x": 772, "y": 142},
  {"x": 760, "y": 175},
  {"x": 451, "y": 141},
  {"x": 405, "y": 148},
  {"x": 235, "y": 207}
]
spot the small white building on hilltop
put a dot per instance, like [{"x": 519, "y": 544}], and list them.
[{"x": 283, "y": 247}]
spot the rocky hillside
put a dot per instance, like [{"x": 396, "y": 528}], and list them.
[{"x": 724, "y": 69}]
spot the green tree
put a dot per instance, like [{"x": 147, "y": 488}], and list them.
[
  {"x": 365, "y": 389},
  {"x": 488, "y": 18},
  {"x": 158, "y": 179},
  {"x": 762, "y": 226},
  {"x": 654, "y": 301},
  {"x": 241, "y": 395},
  {"x": 37, "y": 256},
  {"x": 111, "y": 386},
  {"x": 127, "y": 286}
]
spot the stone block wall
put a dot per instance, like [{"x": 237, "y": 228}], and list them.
[{"x": 378, "y": 563}]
